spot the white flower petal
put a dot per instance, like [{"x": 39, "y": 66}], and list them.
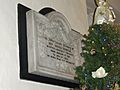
[
  {"x": 94, "y": 74},
  {"x": 101, "y": 70},
  {"x": 100, "y": 73},
  {"x": 105, "y": 74}
]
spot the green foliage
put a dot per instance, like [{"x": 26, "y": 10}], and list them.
[{"x": 101, "y": 48}]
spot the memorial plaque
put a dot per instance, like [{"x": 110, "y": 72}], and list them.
[
  {"x": 49, "y": 48},
  {"x": 53, "y": 47}
]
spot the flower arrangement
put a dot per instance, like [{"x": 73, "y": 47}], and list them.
[{"x": 101, "y": 51}]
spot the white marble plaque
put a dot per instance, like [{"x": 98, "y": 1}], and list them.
[{"x": 53, "y": 47}]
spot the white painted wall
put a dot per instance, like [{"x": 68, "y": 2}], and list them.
[{"x": 74, "y": 10}]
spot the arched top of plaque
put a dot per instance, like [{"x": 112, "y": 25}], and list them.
[{"x": 59, "y": 20}]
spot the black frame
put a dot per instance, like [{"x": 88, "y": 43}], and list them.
[{"x": 23, "y": 54}]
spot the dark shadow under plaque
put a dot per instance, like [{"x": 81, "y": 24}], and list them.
[{"x": 49, "y": 49}]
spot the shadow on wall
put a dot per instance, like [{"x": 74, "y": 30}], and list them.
[{"x": 46, "y": 10}]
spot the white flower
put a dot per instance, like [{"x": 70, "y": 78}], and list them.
[{"x": 100, "y": 73}]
